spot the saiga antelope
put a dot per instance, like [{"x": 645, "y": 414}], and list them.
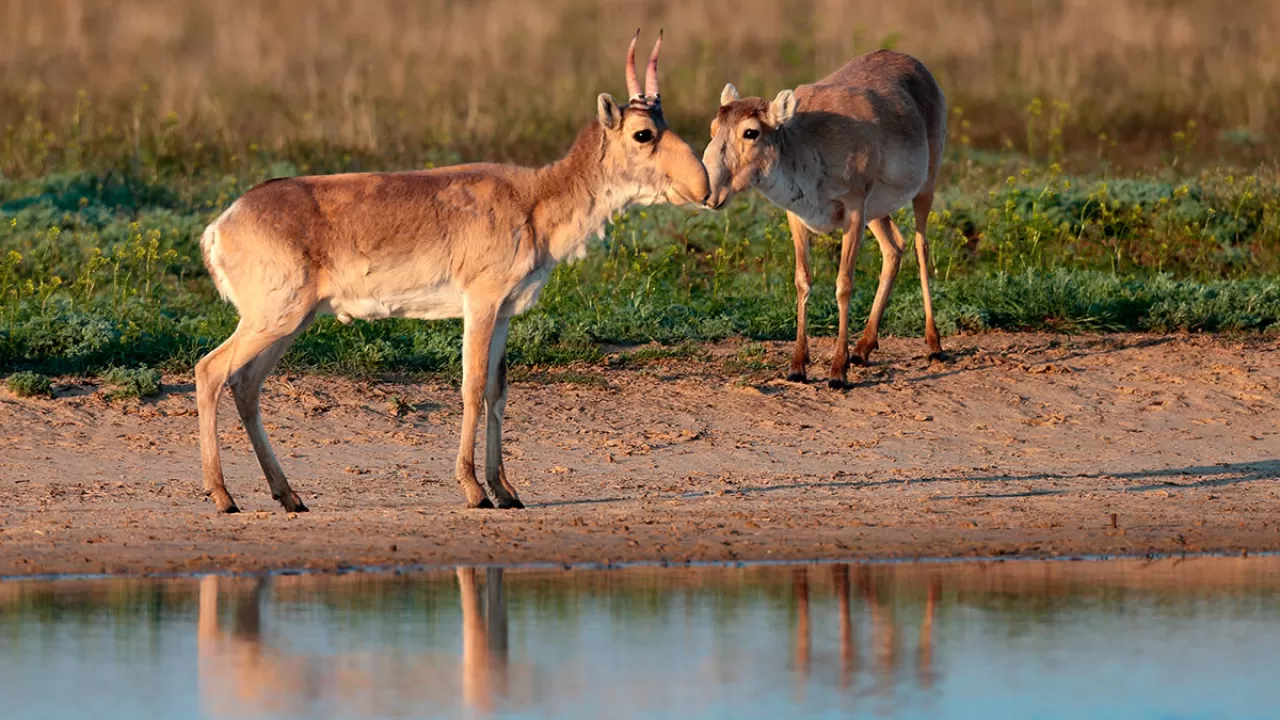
[
  {"x": 844, "y": 152},
  {"x": 471, "y": 241}
]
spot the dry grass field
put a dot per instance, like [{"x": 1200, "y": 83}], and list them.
[{"x": 400, "y": 81}]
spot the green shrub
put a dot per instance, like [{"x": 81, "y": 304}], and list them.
[
  {"x": 29, "y": 384},
  {"x": 132, "y": 382}
]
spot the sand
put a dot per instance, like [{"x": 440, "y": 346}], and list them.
[{"x": 1024, "y": 444}]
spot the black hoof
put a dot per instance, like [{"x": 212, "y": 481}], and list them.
[
  {"x": 222, "y": 501},
  {"x": 484, "y": 504},
  {"x": 512, "y": 504},
  {"x": 292, "y": 503},
  {"x": 836, "y": 384},
  {"x": 796, "y": 377},
  {"x": 859, "y": 360},
  {"x": 938, "y": 356}
]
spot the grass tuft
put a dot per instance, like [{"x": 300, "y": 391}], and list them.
[
  {"x": 29, "y": 384},
  {"x": 131, "y": 383}
]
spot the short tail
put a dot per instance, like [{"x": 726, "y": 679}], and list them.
[{"x": 209, "y": 248}]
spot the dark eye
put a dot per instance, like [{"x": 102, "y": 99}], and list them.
[
  {"x": 643, "y": 136},
  {"x": 750, "y": 134}
]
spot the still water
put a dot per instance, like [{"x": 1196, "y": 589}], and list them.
[{"x": 1170, "y": 638}]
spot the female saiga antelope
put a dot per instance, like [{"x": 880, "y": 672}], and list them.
[
  {"x": 843, "y": 152},
  {"x": 471, "y": 241}
]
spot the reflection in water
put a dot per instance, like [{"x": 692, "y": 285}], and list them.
[
  {"x": 242, "y": 674},
  {"x": 1116, "y": 639},
  {"x": 884, "y": 630},
  {"x": 237, "y": 671},
  {"x": 484, "y": 639}
]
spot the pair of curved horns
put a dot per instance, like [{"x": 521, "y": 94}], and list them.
[{"x": 650, "y": 74}]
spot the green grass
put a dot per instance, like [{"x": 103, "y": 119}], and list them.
[{"x": 104, "y": 271}]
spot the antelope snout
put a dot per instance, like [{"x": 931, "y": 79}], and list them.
[
  {"x": 678, "y": 195},
  {"x": 691, "y": 190},
  {"x": 716, "y": 199}
]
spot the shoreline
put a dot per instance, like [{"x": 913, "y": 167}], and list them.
[{"x": 1022, "y": 445}]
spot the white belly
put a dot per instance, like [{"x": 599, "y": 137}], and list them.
[{"x": 435, "y": 302}]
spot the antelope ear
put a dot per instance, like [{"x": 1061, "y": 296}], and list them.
[
  {"x": 608, "y": 112},
  {"x": 729, "y": 94},
  {"x": 782, "y": 109}
]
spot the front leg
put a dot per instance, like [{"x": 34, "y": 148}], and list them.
[
  {"x": 800, "y": 237},
  {"x": 856, "y": 207},
  {"x": 478, "y": 323},
  {"x": 495, "y": 400}
]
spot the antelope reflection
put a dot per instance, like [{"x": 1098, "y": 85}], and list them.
[
  {"x": 484, "y": 639},
  {"x": 242, "y": 673},
  {"x": 885, "y": 634}
]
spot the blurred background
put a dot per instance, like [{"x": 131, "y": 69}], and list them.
[{"x": 399, "y": 82}]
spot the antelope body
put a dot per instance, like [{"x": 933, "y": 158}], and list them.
[
  {"x": 844, "y": 152},
  {"x": 472, "y": 241}
]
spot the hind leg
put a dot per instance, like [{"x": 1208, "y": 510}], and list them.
[
  {"x": 246, "y": 386},
  {"x": 890, "y": 260},
  {"x": 212, "y": 372},
  {"x": 856, "y": 206},
  {"x": 477, "y": 335},
  {"x": 495, "y": 400},
  {"x": 922, "y": 204}
]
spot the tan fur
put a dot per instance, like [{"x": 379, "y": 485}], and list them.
[
  {"x": 472, "y": 241},
  {"x": 241, "y": 672},
  {"x": 885, "y": 630},
  {"x": 844, "y": 152}
]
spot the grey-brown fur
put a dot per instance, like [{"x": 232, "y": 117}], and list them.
[{"x": 843, "y": 152}]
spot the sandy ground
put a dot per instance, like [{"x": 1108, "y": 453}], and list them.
[{"x": 1019, "y": 444}]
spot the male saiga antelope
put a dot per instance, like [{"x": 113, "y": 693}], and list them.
[
  {"x": 844, "y": 152},
  {"x": 471, "y": 241}
]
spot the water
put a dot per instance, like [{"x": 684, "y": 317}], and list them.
[{"x": 1192, "y": 638}]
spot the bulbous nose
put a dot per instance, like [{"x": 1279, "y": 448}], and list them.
[
  {"x": 714, "y": 200},
  {"x": 701, "y": 189}
]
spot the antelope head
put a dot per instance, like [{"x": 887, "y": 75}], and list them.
[
  {"x": 640, "y": 152},
  {"x": 745, "y": 138}
]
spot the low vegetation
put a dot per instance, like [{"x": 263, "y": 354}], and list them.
[
  {"x": 103, "y": 271},
  {"x": 29, "y": 384},
  {"x": 1093, "y": 181},
  {"x": 131, "y": 383}
]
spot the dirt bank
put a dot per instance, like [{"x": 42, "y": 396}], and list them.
[{"x": 1026, "y": 444}]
